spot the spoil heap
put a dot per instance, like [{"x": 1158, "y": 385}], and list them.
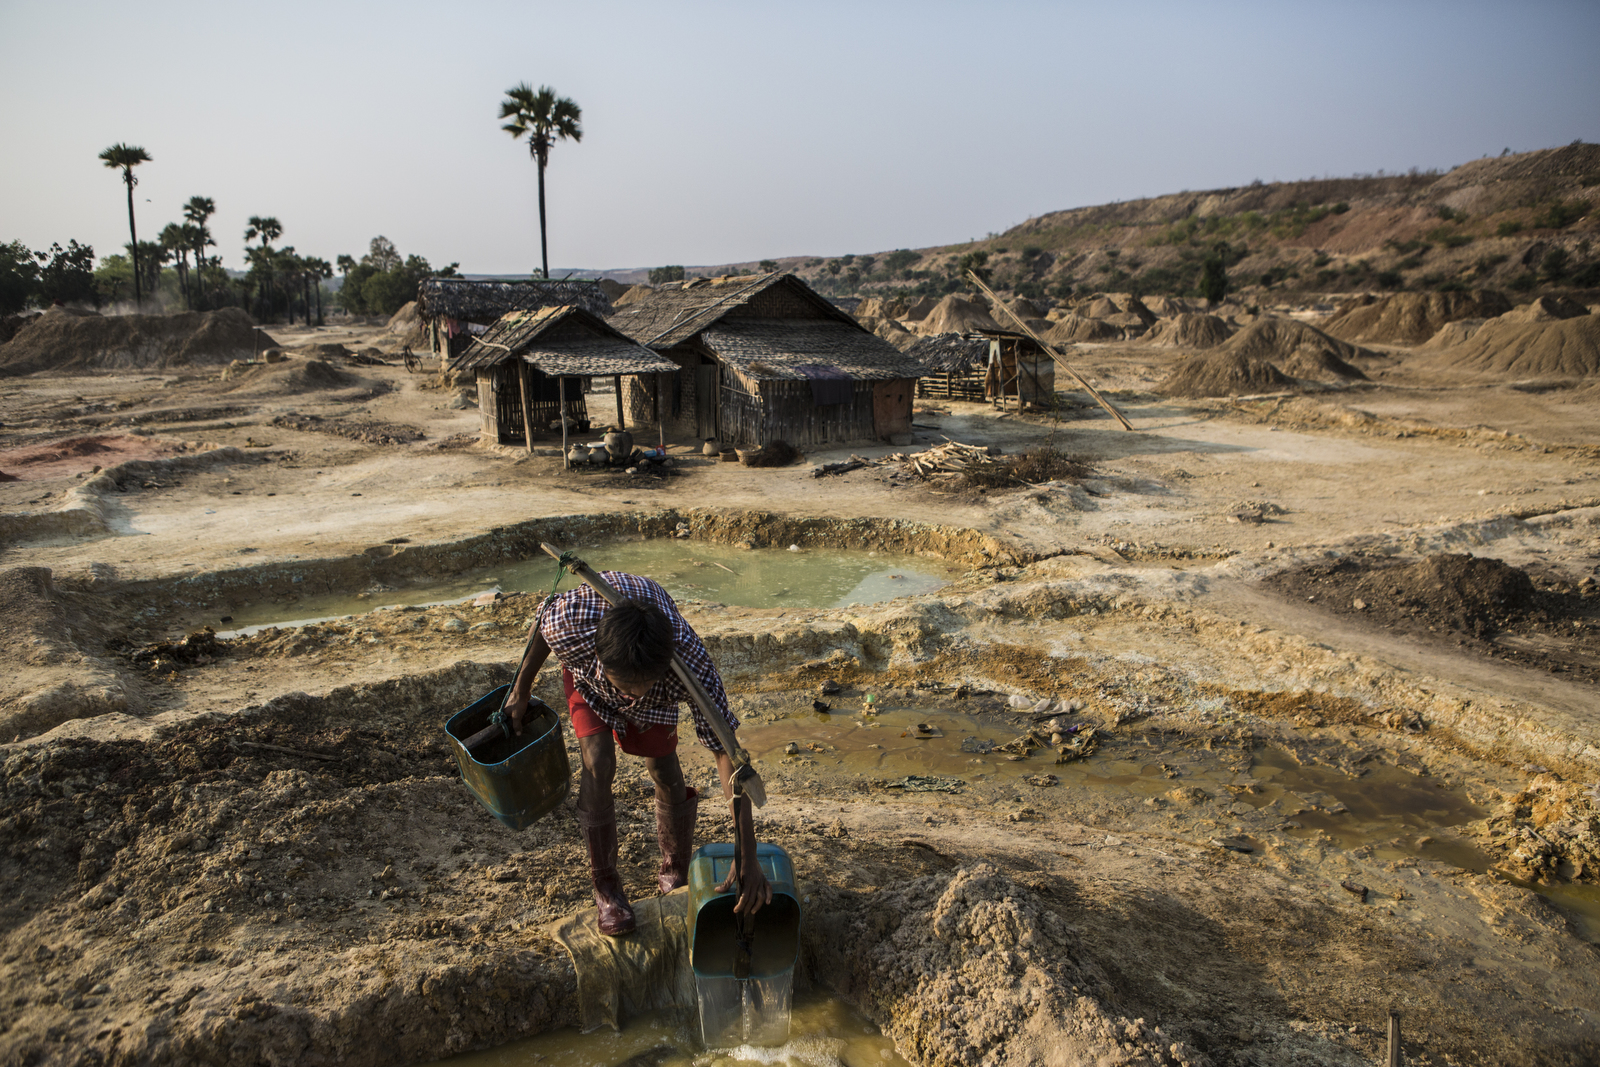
[
  {"x": 1070, "y": 328},
  {"x": 1545, "y": 309},
  {"x": 1298, "y": 349},
  {"x": 1564, "y": 348},
  {"x": 287, "y": 379},
  {"x": 1223, "y": 373},
  {"x": 955, "y": 315},
  {"x": 405, "y": 326},
  {"x": 1411, "y": 318},
  {"x": 66, "y": 342},
  {"x": 1189, "y": 330}
]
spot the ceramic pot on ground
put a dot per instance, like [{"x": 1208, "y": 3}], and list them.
[
  {"x": 711, "y": 448},
  {"x": 578, "y": 454},
  {"x": 619, "y": 444}
]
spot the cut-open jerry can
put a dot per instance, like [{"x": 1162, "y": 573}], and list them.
[
  {"x": 517, "y": 778},
  {"x": 754, "y": 1010}
]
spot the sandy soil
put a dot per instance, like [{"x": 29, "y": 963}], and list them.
[{"x": 257, "y": 851}]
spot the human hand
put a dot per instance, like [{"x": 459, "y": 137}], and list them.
[
  {"x": 754, "y": 889},
  {"x": 516, "y": 710}
]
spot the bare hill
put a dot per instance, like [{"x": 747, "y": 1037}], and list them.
[
  {"x": 74, "y": 343},
  {"x": 1411, "y": 318}
]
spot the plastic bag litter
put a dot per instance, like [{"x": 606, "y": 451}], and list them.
[{"x": 1019, "y": 701}]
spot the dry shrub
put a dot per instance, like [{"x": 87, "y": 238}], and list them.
[{"x": 1040, "y": 464}]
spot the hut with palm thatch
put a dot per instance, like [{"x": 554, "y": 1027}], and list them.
[
  {"x": 533, "y": 368},
  {"x": 764, "y": 357},
  {"x": 454, "y": 310}
]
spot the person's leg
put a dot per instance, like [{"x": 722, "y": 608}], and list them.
[
  {"x": 597, "y": 820},
  {"x": 676, "y": 808}
]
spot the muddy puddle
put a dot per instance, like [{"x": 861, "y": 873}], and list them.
[
  {"x": 823, "y": 1032},
  {"x": 690, "y": 570}
]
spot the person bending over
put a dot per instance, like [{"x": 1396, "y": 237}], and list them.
[{"x": 617, "y": 676}]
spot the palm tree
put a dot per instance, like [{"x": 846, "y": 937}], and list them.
[
  {"x": 125, "y": 157},
  {"x": 175, "y": 240},
  {"x": 319, "y": 270},
  {"x": 197, "y": 211},
  {"x": 544, "y": 118},
  {"x": 268, "y": 229}
]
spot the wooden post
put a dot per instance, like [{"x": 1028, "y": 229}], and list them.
[
  {"x": 622, "y": 417},
  {"x": 661, "y": 425},
  {"x": 561, "y": 383},
  {"x": 1395, "y": 1057},
  {"x": 527, "y": 406}
]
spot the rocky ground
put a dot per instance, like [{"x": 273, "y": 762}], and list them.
[{"x": 1324, "y": 758}]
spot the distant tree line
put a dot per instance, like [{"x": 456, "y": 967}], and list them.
[{"x": 381, "y": 282}]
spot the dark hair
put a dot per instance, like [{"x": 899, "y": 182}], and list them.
[{"x": 634, "y": 641}]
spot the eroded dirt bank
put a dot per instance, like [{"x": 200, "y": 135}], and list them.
[{"x": 256, "y": 850}]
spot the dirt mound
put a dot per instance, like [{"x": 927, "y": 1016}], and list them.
[
  {"x": 1411, "y": 318},
  {"x": 1021, "y": 307},
  {"x": 879, "y": 307},
  {"x": 1454, "y": 333},
  {"x": 1568, "y": 348},
  {"x": 1167, "y": 306},
  {"x": 369, "y": 431},
  {"x": 66, "y": 457},
  {"x": 405, "y": 326},
  {"x": 1070, "y": 328},
  {"x": 1545, "y": 309},
  {"x": 321, "y": 350},
  {"x": 1298, "y": 348},
  {"x": 312, "y": 376},
  {"x": 1099, "y": 308},
  {"x": 955, "y": 315},
  {"x": 632, "y": 296},
  {"x": 1223, "y": 373},
  {"x": 10, "y": 324},
  {"x": 919, "y": 309},
  {"x": 895, "y": 334},
  {"x": 612, "y": 288},
  {"x": 1189, "y": 330},
  {"x": 66, "y": 343}
]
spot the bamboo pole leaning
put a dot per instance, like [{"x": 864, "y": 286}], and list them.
[{"x": 1061, "y": 361}]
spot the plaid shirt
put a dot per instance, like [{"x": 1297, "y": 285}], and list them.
[{"x": 568, "y": 620}]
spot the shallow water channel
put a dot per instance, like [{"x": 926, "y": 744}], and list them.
[
  {"x": 823, "y": 1032},
  {"x": 1391, "y": 812},
  {"x": 690, "y": 570}
]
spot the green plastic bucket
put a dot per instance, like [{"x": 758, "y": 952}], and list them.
[
  {"x": 776, "y": 944},
  {"x": 517, "y": 778}
]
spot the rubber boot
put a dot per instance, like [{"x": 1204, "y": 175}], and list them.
[
  {"x": 675, "y": 832},
  {"x": 614, "y": 912}
]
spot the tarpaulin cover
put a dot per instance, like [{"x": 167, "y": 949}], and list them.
[
  {"x": 829, "y": 385},
  {"x": 621, "y": 977}
]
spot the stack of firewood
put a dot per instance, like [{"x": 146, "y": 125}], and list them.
[{"x": 949, "y": 459}]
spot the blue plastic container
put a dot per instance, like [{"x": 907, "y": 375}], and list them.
[{"x": 776, "y": 944}]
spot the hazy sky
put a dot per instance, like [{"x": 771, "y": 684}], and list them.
[{"x": 720, "y": 132}]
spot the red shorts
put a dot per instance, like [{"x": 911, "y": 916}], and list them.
[{"x": 652, "y": 742}]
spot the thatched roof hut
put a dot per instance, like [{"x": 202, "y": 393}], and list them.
[
  {"x": 985, "y": 365},
  {"x": 541, "y": 360},
  {"x": 453, "y": 310},
  {"x": 764, "y": 357}
]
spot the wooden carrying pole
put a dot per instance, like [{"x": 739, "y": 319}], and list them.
[
  {"x": 746, "y": 782},
  {"x": 1061, "y": 360}
]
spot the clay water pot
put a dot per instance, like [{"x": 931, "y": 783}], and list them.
[
  {"x": 619, "y": 443},
  {"x": 578, "y": 454},
  {"x": 711, "y": 448}
]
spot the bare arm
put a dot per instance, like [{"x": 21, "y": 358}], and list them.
[
  {"x": 522, "y": 685},
  {"x": 754, "y": 890}
]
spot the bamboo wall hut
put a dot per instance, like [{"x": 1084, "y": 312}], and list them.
[
  {"x": 994, "y": 365},
  {"x": 454, "y": 310},
  {"x": 761, "y": 358},
  {"x": 531, "y": 368}
]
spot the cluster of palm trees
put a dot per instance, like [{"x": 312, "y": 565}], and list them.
[{"x": 280, "y": 278}]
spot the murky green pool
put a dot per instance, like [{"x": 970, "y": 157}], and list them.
[
  {"x": 690, "y": 570},
  {"x": 824, "y": 1032}
]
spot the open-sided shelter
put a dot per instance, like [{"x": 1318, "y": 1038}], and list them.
[
  {"x": 995, "y": 365},
  {"x": 762, "y": 358},
  {"x": 531, "y": 366},
  {"x": 454, "y": 310}
]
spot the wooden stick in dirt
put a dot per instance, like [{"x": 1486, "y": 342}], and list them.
[
  {"x": 746, "y": 782},
  {"x": 1061, "y": 360},
  {"x": 561, "y": 384},
  {"x": 527, "y": 406}
]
